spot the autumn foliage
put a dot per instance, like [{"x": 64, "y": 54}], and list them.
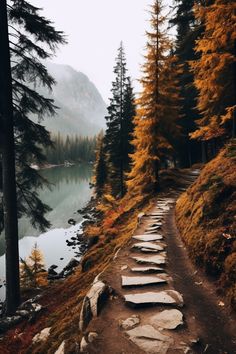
[{"x": 214, "y": 71}]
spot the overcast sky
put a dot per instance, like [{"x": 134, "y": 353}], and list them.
[{"x": 95, "y": 29}]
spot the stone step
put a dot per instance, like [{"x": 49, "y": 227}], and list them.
[
  {"x": 150, "y": 269},
  {"x": 148, "y": 245},
  {"x": 153, "y": 228},
  {"x": 147, "y": 238},
  {"x": 151, "y": 232},
  {"x": 153, "y": 223},
  {"x": 167, "y": 297},
  {"x": 150, "y": 340},
  {"x": 157, "y": 259},
  {"x": 167, "y": 319},
  {"x": 143, "y": 280},
  {"x": 148, "y": 250}
]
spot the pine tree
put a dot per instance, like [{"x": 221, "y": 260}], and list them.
[
  {"x": 32, "y": 270},
  {"x": 8, "y": 168},
  {"x": 214, "y": 71},
  {"x": 188, "y": 29},
  {"x": 128, "y": 124},
  {"x": 157, "y": 103},
  {"x": 100, "y": 170},
  {"x": 29, "y": 38},
  {"x": 119, "y": 127}
]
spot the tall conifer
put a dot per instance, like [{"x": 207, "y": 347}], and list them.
[
  {"x": 119, "y": 127},
  {"x": 158, "y": 107},
  {"x": 214, "y": 71}
]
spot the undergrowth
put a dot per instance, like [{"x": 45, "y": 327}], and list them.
[{"x": 206, "y": 217}]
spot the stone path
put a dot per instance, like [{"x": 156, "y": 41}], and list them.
[
  {"x": 148, "y": 317},
  {"x": 155, "y": 301},
  {"x": 155, "y": 334}
]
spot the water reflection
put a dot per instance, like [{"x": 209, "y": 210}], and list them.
[{"x": 69, "y": 191}]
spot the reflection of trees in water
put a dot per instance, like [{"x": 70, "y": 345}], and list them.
[
  {"x": 59, "y": 177},
  {"x": 72, "y": 174},
  {"x": 2, "y": 245}
]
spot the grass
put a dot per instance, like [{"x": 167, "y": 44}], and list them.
[
  {"x": 63, "y": 300},
  {"x": 206, "y": 217}
]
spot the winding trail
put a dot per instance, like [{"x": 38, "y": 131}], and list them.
[{"x": 161, "y": 303}]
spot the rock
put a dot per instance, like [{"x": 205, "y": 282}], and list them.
[
  {"x": 153, "y": 228},
  {"x": 71, "y": 221},
  {"x": 68, "y": 269},
  {"x": 171, "y": 297},
  {"x": 42, "y": 336},
  {"x": 92, "y": 303},
  {"x": 168, "y": 319},
  {"x": 85, "y": 314},
  {"x": 157, "y": 259},
  {"x": 124, "y": 267},
  {"x": 148, "y": 245},
  {"x": 8, "y": 322},
  {"x": 151, "y": 232},
  {"x": 147, "y": 269},
  {"x": 150, "y": 340},
  {"x": 53, "y": 266},
  {"x": 23, "y": 313},
  {"x": 83, "y": 345},
  {"x": 92, "y": 336},
  {"x": 37, "y": 307},
  {"x": 148, "y": 250},
  {"x": 130, "y": 322},
  {"x": 61, "y": 349},
  {"x": 142, "y": 280},
  {"x": 147, "y": 238}
]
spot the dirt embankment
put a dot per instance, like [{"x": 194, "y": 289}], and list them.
[{"x": 206, "y": 218}]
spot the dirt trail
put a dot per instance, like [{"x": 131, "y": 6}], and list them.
[{"x": 156, "y": 325}]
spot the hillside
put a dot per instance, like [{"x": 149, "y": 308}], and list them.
[
  {"x": 206, "y": 220},
  {"x": 81, "y": 107}
]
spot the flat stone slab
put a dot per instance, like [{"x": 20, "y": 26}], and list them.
[
  {"x": 150, "y": 340},
  {"x": 153, "y": 228},
  {"x": 148, "y": 245},
  {"x": 142, "y": 280},
  {"x": 167, "y": 297},
  {"x": 168, "y": 319},
  {"x": 153, "y": 223},
  {"x": 148, "y": 250},
  {"x": 147, "y": 238},
  {"x": 156, "y": 259},
  {"x": 147, "y": 269}
]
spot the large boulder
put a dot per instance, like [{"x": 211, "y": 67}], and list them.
[{"x": 93, "y": 303}]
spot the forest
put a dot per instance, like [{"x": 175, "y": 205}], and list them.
[
  {"x": 164, "y": 173},
  {"x": 71, "y": 148}
]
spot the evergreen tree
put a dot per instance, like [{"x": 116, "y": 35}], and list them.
[
  {"x": 188, "y": 29},
  {"x": 128, "y": 124},
  {"x": 100, "y": 170},
  {"x": 158, "y": 108},
  {"x": 119, "y": 126},
  {"x": 29, "y": 38},
  {"x": 32, "y": 270},
  {"x": 9, "y": 210},
  {"x": 214, "y": 72}
]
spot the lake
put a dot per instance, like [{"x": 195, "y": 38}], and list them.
[{"x": 69, "y": 191}]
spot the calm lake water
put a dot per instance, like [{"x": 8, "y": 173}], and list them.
[{"x": 69, "y": 192}]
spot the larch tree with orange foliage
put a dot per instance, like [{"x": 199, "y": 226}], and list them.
[
  {"x": 158, "y": 107},
  {"x": 32, "y": 270},
  {"x": 214, "y": 71}
]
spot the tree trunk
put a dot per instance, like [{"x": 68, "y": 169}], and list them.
[
  {"x": 204, "y": 157},
  {"x": 8, "y": 168}
]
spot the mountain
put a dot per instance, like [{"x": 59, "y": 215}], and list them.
[{"x": 81, "y": 107}]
